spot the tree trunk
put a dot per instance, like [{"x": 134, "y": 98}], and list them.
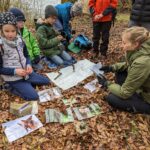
[
  {"x": 4, "y": 5},
  {"x": 63, "y": 1}
]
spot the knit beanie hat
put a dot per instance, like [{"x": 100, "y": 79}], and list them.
[
  {"x": 18, "y": 14},
  {"x": 50, "y": 11},
  {"x": 7, "y": 18},
  {"x": 77, "y": 8}
]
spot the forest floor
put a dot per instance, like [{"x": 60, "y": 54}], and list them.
[{"x": 112, "y": 130}]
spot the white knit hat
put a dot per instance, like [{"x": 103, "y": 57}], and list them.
[{"x": 77, "y": 8}]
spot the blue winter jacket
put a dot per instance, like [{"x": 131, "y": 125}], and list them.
[{"x": 64, "y": 17}]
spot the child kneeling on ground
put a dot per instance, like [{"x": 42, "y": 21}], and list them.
[
  {"x": 15, "y": 67},
  {"x": 131, "y": 92},
  {"x": 30, "y": 41},
  {"x": 50, "y": 40}
]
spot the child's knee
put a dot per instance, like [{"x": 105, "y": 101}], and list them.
[
  {"x": 60, "y": 62},
  {"x": 32, "y": 96},
  {"x": 46, "y": 81},
  {"x": 57, "y": 60}
]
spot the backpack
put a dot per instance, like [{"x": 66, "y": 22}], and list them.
[{"x": 83, "y": 42}]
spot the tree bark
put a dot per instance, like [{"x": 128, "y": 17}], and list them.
[{"x": 4, "y": 5}]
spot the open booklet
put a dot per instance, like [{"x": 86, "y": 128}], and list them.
[
  {"x": 49, "y": 94},
  {"x": 87, "y": 112},
  {"x": 92, "y": 86},
  {"x": 20, "y": 127},
  {"x": 24, "y": 109},
  {"x": 53, "y": 115},
  {"x": 69, "y": 102}
]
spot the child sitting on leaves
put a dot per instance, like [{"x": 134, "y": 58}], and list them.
[
  {"x": 50, "y": 40},
  {"x": 15, "y": 66},
  {"x": 31, "y": 42}
]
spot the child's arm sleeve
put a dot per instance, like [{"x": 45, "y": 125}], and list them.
[
  {"x": 5, "y": 71},
  {"x": 44, "y": 42},
  {"x": 34, "y": 44},
  {"x": 91, "y": 6},
  {"x": 66, "y": 26},
  {"x": 25, "y": 52},
  {"x": 91, "y": 3},
  {"x": 110, "y": 8}
]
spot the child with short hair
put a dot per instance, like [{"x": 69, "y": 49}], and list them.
[
  {"x": 132, "y": 90},
  {"x": 15, "y": 66},
  {"x": 31, "y": 42},
  {"x": 50, "y": 40}
]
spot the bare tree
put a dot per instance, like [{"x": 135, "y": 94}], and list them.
[{"x": 4, "y": 5}]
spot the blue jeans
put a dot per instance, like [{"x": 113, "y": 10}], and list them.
[
  {"x": 59, "y": 59},
  {"x": 24, "y": 88}
]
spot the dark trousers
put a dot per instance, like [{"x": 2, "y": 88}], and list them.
[
  {"x": 101, "y": 31},
  {"x": 134, "y": 104},
  {"x": 25, "y": 89}
]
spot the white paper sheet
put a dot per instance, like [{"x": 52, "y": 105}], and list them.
[
  {"x": 70, "y": 78},
  {"x": 49, "y": 94},
  {"x": 20, "y": 127}
]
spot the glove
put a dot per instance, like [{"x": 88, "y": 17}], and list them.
[
  {"x": 102, "y": 80},
  {"x": 37, "y": 59},
  {"x": 106, "y": 69}
]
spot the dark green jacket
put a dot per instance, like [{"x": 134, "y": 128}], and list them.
[
  {"x": 48, "y": 41},
  {"x": 31, "y": 43},
  {"x": 138, "y": 78}
]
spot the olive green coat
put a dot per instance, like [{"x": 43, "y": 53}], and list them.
[
  {"x": 48, "y": 41},
  {"x": 138, "y": 78}
]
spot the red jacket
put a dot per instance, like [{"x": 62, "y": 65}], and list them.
[{"x": 101, "y": 7}]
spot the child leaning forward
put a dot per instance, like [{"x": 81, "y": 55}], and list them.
[{"x": 50, "y": 40}]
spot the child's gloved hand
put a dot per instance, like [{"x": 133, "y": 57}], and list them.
[
  {"x": 102, "y": 80},
  {"x": 20, "y": 72},
  {"x": 36, "y": 59},
  {"x": 106, "y": 69}
]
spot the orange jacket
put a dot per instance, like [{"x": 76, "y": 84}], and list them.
[{"x": 99, "y": 6}]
